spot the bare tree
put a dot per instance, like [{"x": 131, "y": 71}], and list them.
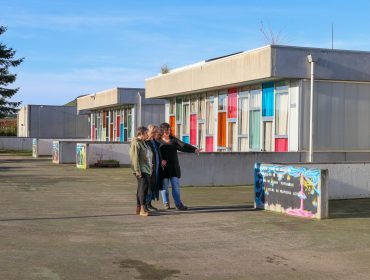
[
  {"x": 165, "y": 69},
  {"x": 269, "y": 36}
]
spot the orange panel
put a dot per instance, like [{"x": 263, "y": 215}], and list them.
[
  {"x": 222, "y": 129},
  {"x": 173, "y": 125}
]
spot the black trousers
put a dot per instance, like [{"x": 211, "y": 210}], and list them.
[{"x": 143, "y": 184}]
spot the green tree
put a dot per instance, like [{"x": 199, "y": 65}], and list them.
[{"x": 7, "y": 60}]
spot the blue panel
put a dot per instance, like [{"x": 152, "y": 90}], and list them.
[
  {"x": 122, "y": 133},
  {"x": 268, "y": 99},
  {"x": 186, "y": 139}
]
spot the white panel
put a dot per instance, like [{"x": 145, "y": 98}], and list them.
[
  {"x": 293, "y": 116},
  {"x": 167, "y": 112}
]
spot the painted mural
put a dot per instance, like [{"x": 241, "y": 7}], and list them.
[
  {"x": 81, "y": 160},
  {"x": 292, "y": 190},
  {"x": 34, "y": 147},
  {"x": 55, "y": 152}
]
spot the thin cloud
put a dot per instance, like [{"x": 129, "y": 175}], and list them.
[{"x": 58, "y": 88}]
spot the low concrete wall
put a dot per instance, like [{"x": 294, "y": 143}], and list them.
[
  {"x": 42, "y": 147},
  {"x": 215, "y": 169},
  {"x": 346, "y": 179},
  {"x": 119, "y": 152},
  {"x": 64, "y": 151},
  {"x": 16, "y": 143},
  {"x": 105, "y": 151},
  {"x": 293, "y": 190}
]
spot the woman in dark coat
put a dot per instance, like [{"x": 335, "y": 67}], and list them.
[
  {"x": 170, "y": 164},
  {"x": 156, "y": 177}
]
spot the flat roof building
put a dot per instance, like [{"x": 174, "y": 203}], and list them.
[
  {"x": 115, "y": 114},
  {"x": 49, "y": 121},
  {"x": 259, "y": 100}
]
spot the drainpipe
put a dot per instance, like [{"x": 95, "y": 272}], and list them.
[
  {"x": 312, "y": 61},
  {"x": 139, "y": 109}
]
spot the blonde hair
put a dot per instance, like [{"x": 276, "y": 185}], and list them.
[{"x": 152, "y": 130}]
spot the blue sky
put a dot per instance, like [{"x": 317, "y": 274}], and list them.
[{"x": 75, "y": 47}]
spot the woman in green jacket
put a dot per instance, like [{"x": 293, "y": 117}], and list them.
[{"x": 141, "y": 165}]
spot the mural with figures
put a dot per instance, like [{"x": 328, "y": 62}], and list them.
[
  {"x": 55, "y": 152},
  {"x": 81, "y": 160},
  {"x": 295, "y": 191}
]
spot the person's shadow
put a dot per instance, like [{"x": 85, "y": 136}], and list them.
[{"x": 208, "y": 209}]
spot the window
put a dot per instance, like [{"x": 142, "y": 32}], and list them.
[
  {"x": 172, "y": 106},
  {"x": 222, "y": 101},
  {"x": 210, "y": 119},
  {"x": 255, "y": 118},
  {"x": 254, "y": 129},
  {"x": 282, "y": 105},
  {"x": 243, "y": 118},
  {"x": 202, "y": 107},
  {"x": 202, "y": 134},
  {"x": 193, "y": 105},
  {"x": 233, "y": 137},
  {"x": 178, "y": 109},
  {"x": 186, "y": 119},
  {"x": 268, "y": 99},
  {"x": 221, "y": 129},
  {"x": 267, "y": 134},
  {"x": 232, "y": 103},
  {"x": 129, "y": 126},
  {"x": 193, "y": 129}
]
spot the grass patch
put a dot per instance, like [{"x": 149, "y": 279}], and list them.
[{"x": 16, "y": 152}]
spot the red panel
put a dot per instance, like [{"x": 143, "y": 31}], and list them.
[
  {"x": 104, "y": 118},
  {"x": 92, "y": 132},
  {"x": 173, "y": 125},
  {"x": 111, "y": 132},
  {"x": 232, "y": 101},
  {"x": 281, "y": 144},
  {"x": 118, "y": 122},
  {"x": 209, "y": 143},
  {"x": 193, "y": 129}
]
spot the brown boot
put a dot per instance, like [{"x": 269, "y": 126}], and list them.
[
  {"x": 138, "y": 207},
  {"x": 143, "y": 212}
]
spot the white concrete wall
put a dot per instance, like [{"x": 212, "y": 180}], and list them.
[
  {"x": 108, "y": 151},
  {"x": 66, "y": 152},
  {"x": 346, "y": 179},
  {"x": 16, "y": 143},
  {"x": 44, "y": 147}
]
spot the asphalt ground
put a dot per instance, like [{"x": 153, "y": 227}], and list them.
[{"x": 59, "y": 222}]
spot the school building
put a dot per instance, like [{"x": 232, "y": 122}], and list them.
[
  {"x": 259, "y": 100},
  {"x": 115, "y": 114}
]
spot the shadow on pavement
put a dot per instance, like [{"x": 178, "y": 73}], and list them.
[
  {"x": 191, "y": 210},
  {"x": 209, "y": 209},
  {"x": 349, "y": 208}
]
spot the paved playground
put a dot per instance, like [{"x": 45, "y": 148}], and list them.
[{"x": 58, "y": 222}]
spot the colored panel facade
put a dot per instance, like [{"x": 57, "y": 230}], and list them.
[
  {"x": 268, "y": 99},
  {"x": 173, "y": 125},
  {"x": 222, "y": 129},
  {"x": 193, "y": 129},
  {"x": 112, "y": 125},
  {"x": 247, "y": 118},
  {"x": 186, "y": 139},
  {"x": 281, "y": 144},
  {"x": 118, "y": 121},
  {"x": 209, "y": 143},
  {"x": 122, "y": 132},
  {"x": 232, "y": 101}
]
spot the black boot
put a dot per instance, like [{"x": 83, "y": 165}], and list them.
[{"x": 151, "y": 207}]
